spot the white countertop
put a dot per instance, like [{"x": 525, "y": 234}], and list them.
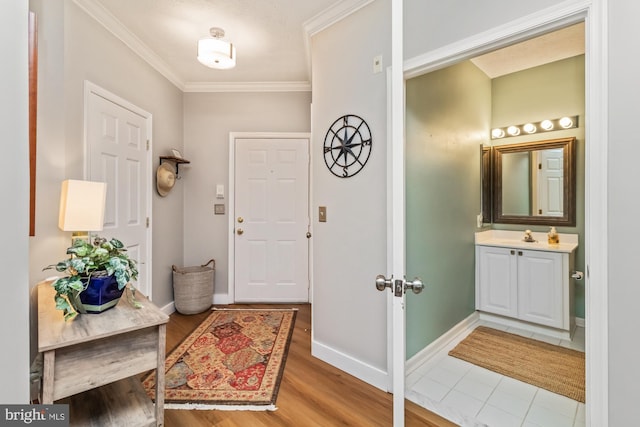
[{"x": 515, "y": 239}]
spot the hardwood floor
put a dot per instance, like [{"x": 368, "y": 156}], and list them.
[{"x": 312, "y": 393}]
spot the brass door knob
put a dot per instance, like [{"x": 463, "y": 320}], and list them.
[
  {"x": 240, "y": 219},
  {"x": 239, "y": 231}
]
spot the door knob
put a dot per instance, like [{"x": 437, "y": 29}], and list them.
[
  {"x": 578, "y": 275},
  {"x": 382, "y": 282},
  {"x": 416, "y": 286},
  {"x": 240, "y": 219},
  {"x": 239, "y": 231}
]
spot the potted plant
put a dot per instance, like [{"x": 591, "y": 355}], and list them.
[{"x": 98, "y": 273}]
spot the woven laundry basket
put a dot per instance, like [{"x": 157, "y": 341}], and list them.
[{"x": 193, "y": 288}]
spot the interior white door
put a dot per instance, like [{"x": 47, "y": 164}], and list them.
[
  {"x": 272, "y": 220},
  {"x": 117, "y": 151}
]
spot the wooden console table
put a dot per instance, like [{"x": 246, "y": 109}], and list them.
[{"x": 92, "y": 362}]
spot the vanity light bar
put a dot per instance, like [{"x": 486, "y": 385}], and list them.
[{"x": 567, "y": 122}]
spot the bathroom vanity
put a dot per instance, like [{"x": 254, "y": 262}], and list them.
[{"x": 526, "y": 284}]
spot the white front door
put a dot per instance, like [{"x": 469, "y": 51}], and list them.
[
  {"x": 117, "y": 140},
  {"x": 271, "y": 220}
]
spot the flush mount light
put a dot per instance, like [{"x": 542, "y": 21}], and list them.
[
  {"x": 566, "y": 122},
  {"x": 215, "y": 52}
]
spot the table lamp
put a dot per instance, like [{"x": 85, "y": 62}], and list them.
[{"x": 82, "y": 205}]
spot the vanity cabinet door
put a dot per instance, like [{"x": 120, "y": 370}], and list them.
[
  {"x": 540, "y": 288},
  {"x": 497, "y": 286}
]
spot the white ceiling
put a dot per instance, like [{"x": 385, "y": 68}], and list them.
[{"x": 271, "y": 38}]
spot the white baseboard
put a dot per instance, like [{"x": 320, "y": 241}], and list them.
[
  {"x": 445, "y": 342},
  {"x": 169, "y": 309},
  {"x": 222, "y": 299},
  {"x": 367, "y": 373}
]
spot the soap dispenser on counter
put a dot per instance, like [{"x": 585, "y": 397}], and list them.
[{"x": 554, "y": 237}]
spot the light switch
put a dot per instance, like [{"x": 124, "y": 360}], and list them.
[
  {"x": 322, "y": 213},
  {"x": 220, "y": 191}
]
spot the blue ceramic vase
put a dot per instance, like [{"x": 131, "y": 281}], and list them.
[{"x": 101, "y": 294}]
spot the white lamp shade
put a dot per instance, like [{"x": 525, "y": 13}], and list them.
[
  {"x": 82, "y": 205},
  {"x": 216, "y": 53}
]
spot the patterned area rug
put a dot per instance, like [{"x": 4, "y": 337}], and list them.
[
  {"x": 554, "y": 368},
  {"x": 233, "y": 360}
]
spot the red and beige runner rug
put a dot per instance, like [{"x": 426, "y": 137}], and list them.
[{"x": 234, "y": 360}]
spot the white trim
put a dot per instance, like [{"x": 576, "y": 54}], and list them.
[
  {"x": 579, "y": 322},
  {"x": 247, "y": 87},
  {"x": 594, "y": 13},
  {"x": 231, "y": 196},
  {"x": 89, "y": 88},
  {"x": 98, "y": 12},
  {"x": 344, "y": 362},
  {"x": 445, "y": 342}
]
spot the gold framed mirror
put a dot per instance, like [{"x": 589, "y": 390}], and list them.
[{"x": 534, "y": 183}]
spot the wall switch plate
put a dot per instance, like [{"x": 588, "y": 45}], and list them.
[
  {"x": 479, "y": 221},
  {"x": 220, "y": 191},
  {"x": 322, "y": 213},
  {"x": 218, "y": 209},
  {"x": 377, "y": 64}
]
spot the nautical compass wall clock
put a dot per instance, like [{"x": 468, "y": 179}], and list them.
[{"x": 347, "y": 146}]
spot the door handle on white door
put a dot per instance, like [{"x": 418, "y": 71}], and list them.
[
  {"x": 382, "y": 282},
  {"x": 239, "y": 231}
]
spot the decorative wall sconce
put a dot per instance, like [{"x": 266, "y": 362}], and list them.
[{"x": 567, "y": 122}]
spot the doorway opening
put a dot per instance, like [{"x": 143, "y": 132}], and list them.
[{"x": 445, "y": 142}]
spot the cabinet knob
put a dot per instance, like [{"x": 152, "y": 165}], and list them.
[{"x": 513, "y": 252}]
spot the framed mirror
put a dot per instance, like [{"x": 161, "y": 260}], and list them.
[{"x": 534, "y": 183}]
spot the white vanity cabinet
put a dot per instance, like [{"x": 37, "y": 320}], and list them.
[{"x": 530, "y": 283}]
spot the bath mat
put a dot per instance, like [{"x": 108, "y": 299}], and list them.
[
  {"x": 554, "y": 368},
  {"x": 234, "y": 360}
]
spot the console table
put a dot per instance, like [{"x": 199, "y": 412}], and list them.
[{"x": 93, "y": 361}]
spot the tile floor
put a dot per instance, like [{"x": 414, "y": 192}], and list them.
[{"x": 472, "y": 396}]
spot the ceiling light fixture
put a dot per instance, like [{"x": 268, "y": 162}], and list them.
[
  {"x": 535, "y": 127},
  {"x": 215, "y": 52}
]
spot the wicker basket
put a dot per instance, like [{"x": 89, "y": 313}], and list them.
[{"x": 193, "y": 288}]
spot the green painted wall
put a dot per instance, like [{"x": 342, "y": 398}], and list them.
[
  {"x": 447, "y": 119},
  {"x": 547, "y": 92}
]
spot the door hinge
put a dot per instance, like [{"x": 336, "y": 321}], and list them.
[
  {"x": 147, "y": 145},
  {"x": 540, "y": 166},
  {"x": 147, "y": 222}
]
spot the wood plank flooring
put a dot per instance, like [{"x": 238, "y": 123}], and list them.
[{"x": 312, "y": 393}]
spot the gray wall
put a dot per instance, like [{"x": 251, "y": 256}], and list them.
[
  {"x": 208, "y": 119},
  {"x": 350, "y": 248},
  {"x": 14, "y": 119},
  {"x": 447, "y": 118},
  {"x": 74, "y": 48},
  {"x": 623, "y": 208}
]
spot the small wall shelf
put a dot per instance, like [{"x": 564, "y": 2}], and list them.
[{"x": 176, "y": 160}]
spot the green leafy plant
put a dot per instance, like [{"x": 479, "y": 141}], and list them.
[{"x": 86, "y": 260}]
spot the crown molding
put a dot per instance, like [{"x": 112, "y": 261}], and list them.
[
  {"x": 325, "y": 19},
  {"x": 117, "y": 28},
  {"x": 247, "y": 87},
  {"x": 332, "y": 14}
]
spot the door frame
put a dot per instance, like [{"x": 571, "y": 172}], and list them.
[
  {"x": 92, "y": 88},
  {"x": 594, "y": 14},
  {"x": 231, "y": 246}
]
